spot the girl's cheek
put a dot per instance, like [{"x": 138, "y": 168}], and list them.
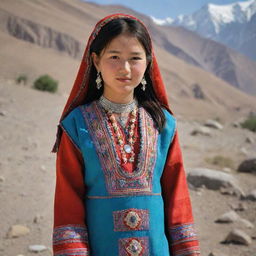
[{"x": 139, "y": 68}]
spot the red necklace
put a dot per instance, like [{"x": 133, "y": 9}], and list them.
[{"x": 127, "y": 149}]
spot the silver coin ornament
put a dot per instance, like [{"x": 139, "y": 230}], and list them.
[{"x": 127, "y": 148}]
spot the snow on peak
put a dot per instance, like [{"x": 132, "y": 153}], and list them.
[
  {"x": 245, "y": 5},
  {"x": 161, "y": 21},
  {"x": 235, "y": 12},
  {"x": 211, "y": 18}
]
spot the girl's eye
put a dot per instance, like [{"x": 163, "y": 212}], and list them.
[
  {"x": 114, "y": 57},
  {"x": 136, "y": 58}
]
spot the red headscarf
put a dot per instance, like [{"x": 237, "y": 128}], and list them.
[{"x": 79, "y": 90}]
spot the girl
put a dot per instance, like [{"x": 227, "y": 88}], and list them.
[{"x": 121, "y": 187}]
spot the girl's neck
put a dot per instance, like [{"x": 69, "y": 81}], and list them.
[
  {"x": 119, "y": 99},
  {"x": 114, "y": 107}
]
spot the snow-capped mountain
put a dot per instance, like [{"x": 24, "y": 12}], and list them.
[{"x": 228, "y": 24}]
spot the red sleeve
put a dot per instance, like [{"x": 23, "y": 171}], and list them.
[
  {"x": 178, "y": 211},
  {"x": 70, "y": 233}
]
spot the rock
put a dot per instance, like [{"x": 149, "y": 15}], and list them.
[
  {"x": 17, "y": 231},
  {"x": 249, "y": 140},
  {"x": 246, "y": 223},
  {"x": 213, "y": 124},
  {"x": 236, "y": 124},
  {"x": 3, "y": 113},
  {"x": 202, "y": 131},
  {"x": 238, "y": 236},
  {"x": 231, "y": 191},
  {"x": 248, "y": 165},
  {"x": 198, "y": 92},
  {"x": 43, "y": 168},
  {"x": 228, "y": 217},
  {"x": 244, "y": 151},
  {"x": 37, "y": 218},
  {"x": 2, "y": 179},
  {"x": 251, "y": 196},
  {"x": 212, "y": 179},
  {"x": 239, "y": 207},
  {"x": 199, "y": 193},
  {"x": 216, "y": 254},
  {"x": 231, "y": 217},
  {"x": 37, "y": 248},
  {"x": 227, "y": 169}
]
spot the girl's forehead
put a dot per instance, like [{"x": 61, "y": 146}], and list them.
[{"x": 124, "y": 42}]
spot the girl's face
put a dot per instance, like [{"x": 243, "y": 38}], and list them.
[{"x": 122, "y": 65}]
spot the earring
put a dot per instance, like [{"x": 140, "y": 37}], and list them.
[
  {"x": 98, "y": 81},
  {"x": 143, "y": 82}
]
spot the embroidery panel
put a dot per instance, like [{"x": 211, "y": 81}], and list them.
[
  {"x": 182, "y": 233},
  {"x": 117, "y": 180},
  {"x": 134, "y": 246},
  {"x": 131, "y": 219},
  {"x": 70, "y": 234}
]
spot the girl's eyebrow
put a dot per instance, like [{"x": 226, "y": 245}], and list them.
[{"x": 133, "y": 53}]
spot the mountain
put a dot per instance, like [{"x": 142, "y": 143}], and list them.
[
  {"x": 232, "y": 25},
  {"x": 211, "y": 56},
  {"x": 48, "y": 37}
]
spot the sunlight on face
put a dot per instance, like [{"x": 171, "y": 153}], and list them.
[{"x": 122, "y": 65}]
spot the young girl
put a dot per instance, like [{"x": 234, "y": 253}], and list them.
[{"x": 121, "y": 187}]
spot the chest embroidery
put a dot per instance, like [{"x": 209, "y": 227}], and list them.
[{"x": 118, "y": 181}]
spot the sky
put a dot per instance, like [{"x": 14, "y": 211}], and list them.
[{"x": 164, "y": 8}]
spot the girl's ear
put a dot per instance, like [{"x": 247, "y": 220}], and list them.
[{"x": 95, "y": 60}]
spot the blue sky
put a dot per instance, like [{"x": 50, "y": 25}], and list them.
[{"x": 164, "y": 8}]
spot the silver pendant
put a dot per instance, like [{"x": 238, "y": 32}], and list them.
[{"x": 127, "y": 148}]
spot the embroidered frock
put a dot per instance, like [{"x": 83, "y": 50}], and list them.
[{"x": 104, "y": 207}]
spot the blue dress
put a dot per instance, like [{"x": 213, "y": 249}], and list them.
[{"x": 124, "y": 211}]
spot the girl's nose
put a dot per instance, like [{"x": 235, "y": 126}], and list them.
[{"x": 125, "y": 66}]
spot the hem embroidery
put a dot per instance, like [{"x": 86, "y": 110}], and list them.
[
  {"x": 70, "y": 234},
  {"x": 182, "y": 233}
]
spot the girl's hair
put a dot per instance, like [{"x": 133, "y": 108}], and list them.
[{"x": 147, "y": 98}]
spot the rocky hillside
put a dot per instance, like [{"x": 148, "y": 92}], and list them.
[
  {"x": 40, "y": 35},
  {"x": 213, "y": 57}
]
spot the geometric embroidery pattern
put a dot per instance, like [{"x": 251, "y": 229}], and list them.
[
  {"x": 117, "y": 180},
  {"x": 131, "y": 219},
  {"x": 134, "y": 246},
  {"x": 70, "y": 234},
  {"x": 182, "y": 233}
]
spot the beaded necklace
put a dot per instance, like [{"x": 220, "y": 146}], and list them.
[{"x": 127, "y": 149}]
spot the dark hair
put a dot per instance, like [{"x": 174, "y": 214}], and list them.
[{"x": 147, "y": 98}]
